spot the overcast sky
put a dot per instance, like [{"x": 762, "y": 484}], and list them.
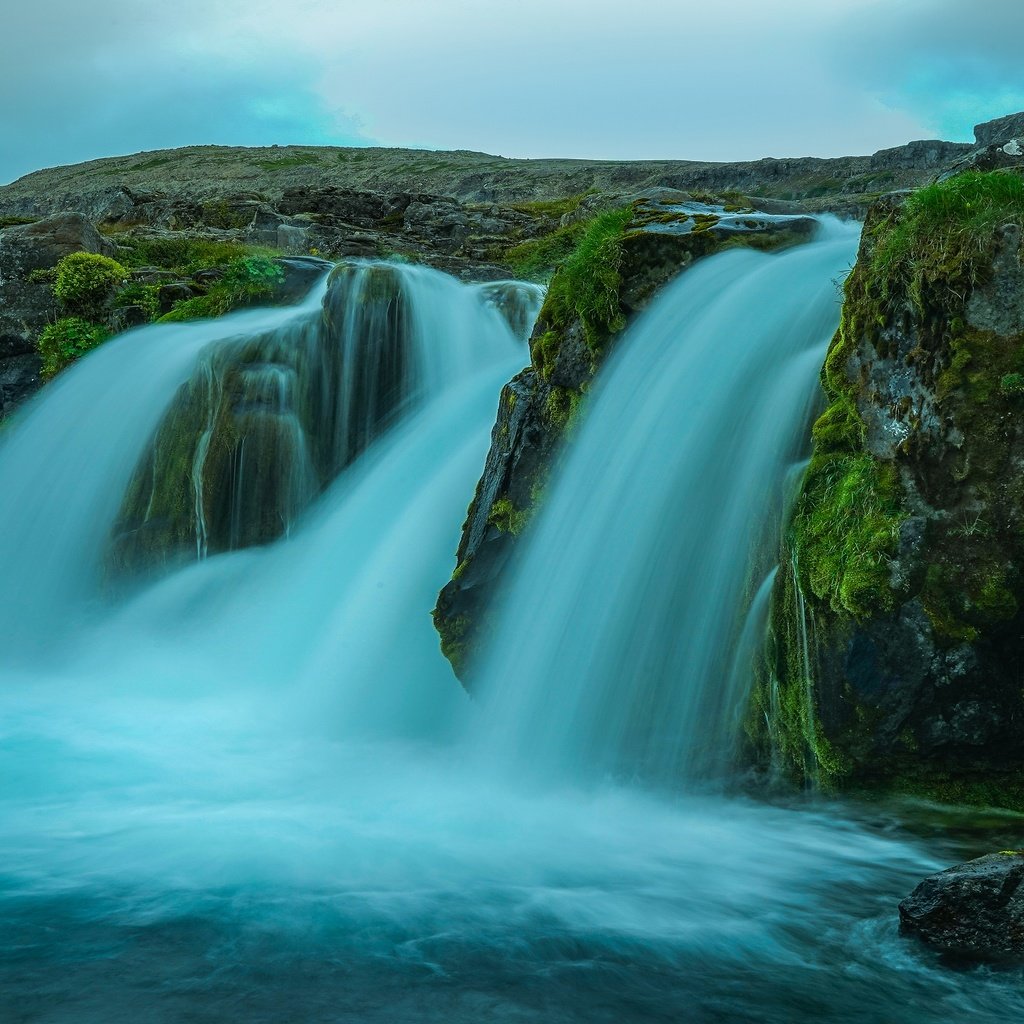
[{"x": 581, "y": 78}]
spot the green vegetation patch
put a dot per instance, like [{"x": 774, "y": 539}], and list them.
[
  {"x": 246, "y": 282},
  {"x": 586, "y": 287},
  {"x": 945, "y": 233},
  {"x": 65, "y": 341}
]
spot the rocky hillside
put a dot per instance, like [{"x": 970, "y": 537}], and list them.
[{"x": 205, "y": 173}]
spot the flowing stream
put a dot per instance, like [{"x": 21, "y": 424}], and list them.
[{"x": 241, "y": 783}]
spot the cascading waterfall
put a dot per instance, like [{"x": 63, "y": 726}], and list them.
[
  {"x": 669, "y": 498},
  {"x": 238, "y": 790}
]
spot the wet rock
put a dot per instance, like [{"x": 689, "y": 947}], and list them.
[{"x": 973, "y": 911}]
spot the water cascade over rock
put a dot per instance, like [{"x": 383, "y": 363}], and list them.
[
  {"x": 267, "y": 420},
  {"x": 618, "y": 633},
  {"x": 246, "y": 788}
]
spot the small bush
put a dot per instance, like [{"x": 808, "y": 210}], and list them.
[
  {"x": 68, "y": 339},
  {"x": 85, "y": 280}
]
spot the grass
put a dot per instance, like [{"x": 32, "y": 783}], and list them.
[
  {"x": 587, "y": 284},
  {"x": 536, "y": 258},
  {"x": 185, "y": 254},
  {"x": 946, "y": 232}
]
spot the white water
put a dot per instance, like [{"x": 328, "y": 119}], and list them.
[
  {"x": 237, "y": 795},
  {"x": 633, "y": 586}
]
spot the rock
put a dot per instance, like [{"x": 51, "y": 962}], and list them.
[
  {"x": 1000, "y": 131},
  {"x": 973, "y": 911},
  {"x": 300, "y": 274},
  {"x": 26, "y": 305},
  {"x": 168, "y": 295},
  {"x": 916, "y": 622}
]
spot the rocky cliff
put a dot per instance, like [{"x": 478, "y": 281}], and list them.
[{"x": 894, "y": 656}]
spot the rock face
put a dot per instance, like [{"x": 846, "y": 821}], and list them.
[
  {"x": 26, "y": 304},
  {"x": 894, "y": 657},
  {"x": 631, "y": 251},
  {"x": 973, "y": 911}
]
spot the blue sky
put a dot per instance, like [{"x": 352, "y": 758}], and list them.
[{"x": 575, "y": 78}]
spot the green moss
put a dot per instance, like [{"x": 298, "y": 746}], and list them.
[
  {"x": 846, "y": 529},
  {"x": 586, "y": 287},
  {"x": 84, "y": 281},
  {"x": 544, "y": 352},
  {"x": 65, "y": 341},
  {"x": 507, "y": 518},
  {"x": 562, "y": 408},
  {"x": 1012, "y": 384},
  {"x": 454, "y": 633}
]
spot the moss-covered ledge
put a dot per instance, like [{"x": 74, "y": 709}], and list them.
[
  {"x": 621, "y": 258},
  {"x": 894, "y": 656}
]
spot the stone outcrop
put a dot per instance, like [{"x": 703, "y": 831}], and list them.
[
  {"x": 894, "y": 657},
  {"x": 26, "y": 302},
  {"x": 633, "y": 250},
  {"x": 974, "y": 911}
]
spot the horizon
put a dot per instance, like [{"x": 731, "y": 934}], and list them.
[{"x": 580, "y": 81}]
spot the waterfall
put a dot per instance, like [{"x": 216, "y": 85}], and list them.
[
  {"x": 617, "y": 636},
  {"x": 176, "y": 442},
  {"x": 239, "y": 787}
]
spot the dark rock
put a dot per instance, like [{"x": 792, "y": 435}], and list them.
[
  {"x": 124, "y": 318},
  {"x": 973, "y": 911},
  {"x": 915, "y": 660},
  {"x": 300, "y": 274},
  {"x": 1000, "y": 131},
  {"x": 168, "y": 295},
  {"x": 27, "y": 304}
]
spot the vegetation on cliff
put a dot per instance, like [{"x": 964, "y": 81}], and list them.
[{"x": 890, "y": 661}]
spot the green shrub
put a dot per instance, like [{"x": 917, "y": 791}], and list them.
[
  {"x": 185, "y": 254},
  {"x": 85, "y": 280},
  {"x": 248, "y": 281},
  {"x": 63, "y": 342}
]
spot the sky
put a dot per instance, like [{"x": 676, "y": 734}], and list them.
[{"x": 622, "y": 79}]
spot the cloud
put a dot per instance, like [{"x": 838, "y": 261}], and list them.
[
  {"x": 583, "y": 78},
  {"x": 950, "y": 63}
]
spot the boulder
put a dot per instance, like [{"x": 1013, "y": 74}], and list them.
[{"x": 973, "y": 911}]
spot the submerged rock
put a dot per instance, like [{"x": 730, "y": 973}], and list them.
[{"x": 972, "y": 911}]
